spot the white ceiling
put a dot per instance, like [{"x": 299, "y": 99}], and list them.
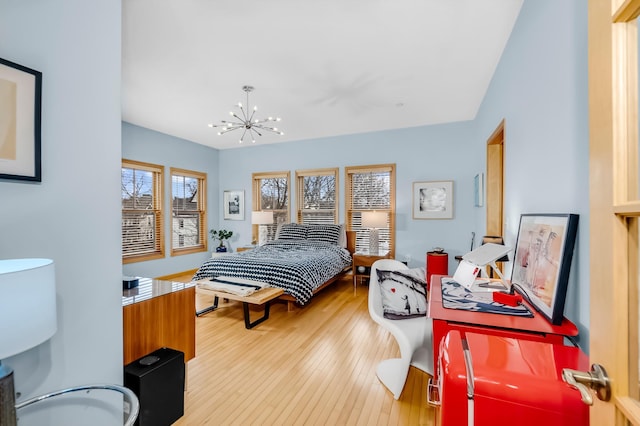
[{"x": 327, "y": 67}]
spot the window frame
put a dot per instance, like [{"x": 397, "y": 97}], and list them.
[
  {"x": 256, "y": 183},
  {"x": 158, "y": 208},
  {"x": 201, "y": 195},
  {"x": 362, "y": 237},
  {"x": 301, "y": 174}
]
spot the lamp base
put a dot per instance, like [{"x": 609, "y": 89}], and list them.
[
  {"x": 7, "y": 397},
  {"x": 263, "y": 233},
  {"x": 374, "y": 241}
]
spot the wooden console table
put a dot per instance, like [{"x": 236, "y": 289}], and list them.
[{"x": 158, "y": 314}]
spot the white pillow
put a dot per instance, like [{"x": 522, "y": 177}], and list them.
[{"x": 404, "y": 293}]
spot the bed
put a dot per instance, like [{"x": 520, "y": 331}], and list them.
[{"x": 302, "y": 260}]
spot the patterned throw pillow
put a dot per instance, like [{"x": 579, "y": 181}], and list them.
[
  {"x": 293, "y": 231},
  {"x": 327, "y": 233},
  {"x": 404, "y": 293}
]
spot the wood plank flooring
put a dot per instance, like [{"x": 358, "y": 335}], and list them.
[{"x": 313, "y": 366}]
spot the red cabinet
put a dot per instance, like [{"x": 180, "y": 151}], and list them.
[
  {"x": 490, "y": 380},
  {"x": 513, "y": 366}
]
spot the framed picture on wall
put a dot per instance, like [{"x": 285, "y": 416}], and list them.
[
  {"x": 542, "y": 261},
  {"x": 233, "y": 205},
  {"x": 478, "y": 190},
  {"x": 20, "y": 114},
  {"x": 433, "y": 200}
]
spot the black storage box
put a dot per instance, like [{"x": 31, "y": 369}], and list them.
[{"x": 158, "y": 381}]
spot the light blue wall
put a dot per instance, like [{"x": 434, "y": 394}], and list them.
[
  {"x": 431, "y": 153},
  {"x": 540, "y": 89},
  {"x": 73, "y": 216},
  {"x": 146, "y": 145}
]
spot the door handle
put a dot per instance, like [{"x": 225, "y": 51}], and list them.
[{"x": 595, "y": 379}]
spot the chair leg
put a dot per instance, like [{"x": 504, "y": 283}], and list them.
[{"x": 393, "y": 374}]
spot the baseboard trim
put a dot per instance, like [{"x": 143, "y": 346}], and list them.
[{"x": 177, "y": 274}]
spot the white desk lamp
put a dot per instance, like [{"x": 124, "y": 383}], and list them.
[
  {"x": 374, "y": 220},
  {"x": 28, "y": 318},
  {"x": 262, "y": 219},
  {"x": 474, "y": 261}
]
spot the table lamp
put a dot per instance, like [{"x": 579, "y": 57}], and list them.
[
  {"x": 28, "y": 318},
  {"x": 262, "y": 219},
  {"x": 374, "y": 220}
]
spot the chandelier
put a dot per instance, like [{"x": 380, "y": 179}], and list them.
[{"x": 245, "y": 121}]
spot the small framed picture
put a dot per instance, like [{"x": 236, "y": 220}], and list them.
[
  {"x": 433, "y": 200},
  {"x": 20, "y": 114},
  {"x": 478, "y": 190},
  {"x": 233, "y": 205}
]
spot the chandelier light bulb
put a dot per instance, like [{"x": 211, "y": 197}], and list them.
[{"x": 210, "y": 124}]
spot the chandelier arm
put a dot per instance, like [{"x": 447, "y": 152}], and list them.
[
  {"x": 243, "y": 133},
  {"x": 251, "y": 130},
  {"x": 271, "y": 129},
  {"x": 253, "y": 112},
  {"x": 229, "y": 129},
  {"x": 244, "y": 114}
]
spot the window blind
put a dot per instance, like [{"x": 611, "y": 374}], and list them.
[
  {"x": 141, "y": 193},
  {"x": 317, "y": 196},
  {"x": 371, "y": 188},
  {"x": 188, "y": 212}
]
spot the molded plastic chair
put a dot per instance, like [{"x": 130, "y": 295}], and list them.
[{"x": 414, "y": 336}]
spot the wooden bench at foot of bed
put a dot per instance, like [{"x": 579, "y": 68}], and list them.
[{"x": 261, "y": 297}]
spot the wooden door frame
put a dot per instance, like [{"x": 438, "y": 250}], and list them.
[{"x": 495, "y": 182}]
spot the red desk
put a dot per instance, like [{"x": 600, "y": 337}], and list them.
[{"x": 536, "y": 328}]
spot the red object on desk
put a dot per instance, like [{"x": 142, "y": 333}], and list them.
[
  {"x": 537, "y": 328},
  {"x": 437, "y": 263},
  {"x": 504, "y": 381}
]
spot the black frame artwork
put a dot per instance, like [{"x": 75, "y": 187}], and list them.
[
  {"x": 20, "y": 131},
  {"x": 542, "y": 261}
]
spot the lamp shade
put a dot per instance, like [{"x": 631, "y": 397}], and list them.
[
  {"x": 27, "y": 304},
  {"x": 262, "y": 218},
  {"x": 374, "y": 219}
]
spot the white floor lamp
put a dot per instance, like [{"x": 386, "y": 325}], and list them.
[
  {"x": 374, "y": 220},
  {"x": 262, "y": 219}
]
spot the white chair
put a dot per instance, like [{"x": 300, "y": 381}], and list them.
[{"x": 414, "y": 336}]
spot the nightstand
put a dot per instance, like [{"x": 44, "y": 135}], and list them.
[
  {"x": 362, "y": 262},
  {"x": 245, "y": 248}
]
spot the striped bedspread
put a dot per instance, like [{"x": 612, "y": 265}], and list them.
[{"x": 296, "y": 266}]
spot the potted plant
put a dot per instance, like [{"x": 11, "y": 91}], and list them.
[{"x": 221, "y": 234}]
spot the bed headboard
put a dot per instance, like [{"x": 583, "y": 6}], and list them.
[{"x": 351, "y": 241}]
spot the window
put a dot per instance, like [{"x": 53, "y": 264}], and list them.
[
  {"x": 271, "y": 193},
  {"x": 188, "y": 212},
  {"x": 142, "y": 232},
  {"x": 317, "y": 195},
  {"x": 371, "y": 188}
]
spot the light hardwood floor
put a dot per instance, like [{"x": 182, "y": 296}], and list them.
[{"x": 313, "y": 366}]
